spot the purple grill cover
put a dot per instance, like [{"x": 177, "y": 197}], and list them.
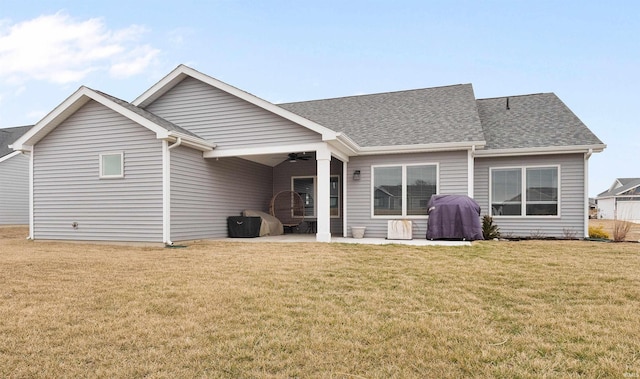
[{"x": 453, "y": 217}]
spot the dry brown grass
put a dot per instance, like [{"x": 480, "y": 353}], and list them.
[
  {"x": 234, "y": 310},
  {"x": 633, "y": 234}
]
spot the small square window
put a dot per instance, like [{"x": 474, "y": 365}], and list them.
[{"x": 111, "y": 165}]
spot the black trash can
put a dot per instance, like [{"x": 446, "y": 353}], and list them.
[{"x": 244, "y": 227}]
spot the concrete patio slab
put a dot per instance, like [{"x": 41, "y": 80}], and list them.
[{"x": 297, "y": 238}]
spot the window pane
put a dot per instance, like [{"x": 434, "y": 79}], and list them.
[
  {"x": 421, "y": 184},
  {"x": 334, "y": 193},
  {"x": 305, "y": 188},
  {"x": 506, "y": 192},
  {"x": 112, "y": 165},
  {"x": 387, "y": 191},
  {"x": 542, "y": 191}
]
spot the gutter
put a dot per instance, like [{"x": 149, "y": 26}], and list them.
[
  {"x": 421, "y": 148},
  {"x": 548, "y": 150},
  {"x": 348, "y": 143},
  {"x": 185, "y": 140}
]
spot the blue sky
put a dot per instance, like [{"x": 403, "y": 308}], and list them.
[{"x": 587, "y": 52}]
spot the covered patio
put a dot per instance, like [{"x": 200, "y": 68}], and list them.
[
  {"x": 302, "y": 238},
  {"x": 319, "y": 177}
]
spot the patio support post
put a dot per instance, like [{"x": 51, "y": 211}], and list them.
[{"x": 323, "y": 162}]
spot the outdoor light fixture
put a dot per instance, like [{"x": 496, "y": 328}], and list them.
[{"x": 356, "y": 175}]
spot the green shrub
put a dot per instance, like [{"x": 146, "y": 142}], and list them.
[
  {"x": 598, "y": 232},
  {"x": 489, "y": 229}
]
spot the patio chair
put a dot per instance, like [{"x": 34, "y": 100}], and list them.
[{"x": 288, "y": 207}]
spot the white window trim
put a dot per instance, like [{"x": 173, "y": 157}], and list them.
[
  {"x": 523, "y": 185},
  {"x": 315, "y": 192},
  {"x": 121, "y": 175},
  {"x": 404, "y": 190}
]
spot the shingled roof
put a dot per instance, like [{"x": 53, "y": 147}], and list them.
[
  {"x": 448, "y": 115},
  {"x": 625, "y": 184},
  {"x": 423, "y": 116},
  {"x": 538, "y": 120},
  {"x": 8, "y": 136}
]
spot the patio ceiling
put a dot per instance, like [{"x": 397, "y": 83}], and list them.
[{"x": 273, "y": 160}]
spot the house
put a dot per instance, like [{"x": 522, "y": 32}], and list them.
[
  {"x": 621, "y": 201},
  {"x": 191, "y": 150},
  {"x": 14, "y": 179}
]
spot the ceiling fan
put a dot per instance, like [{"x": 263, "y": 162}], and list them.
[{"x": 294, "y": 157}]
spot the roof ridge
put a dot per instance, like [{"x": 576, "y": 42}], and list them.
[
  {"x": 377, "y": 93},
  {"x": 510, "y": 96}
]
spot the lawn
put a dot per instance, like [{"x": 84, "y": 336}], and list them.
[{"x": 233, "y": 310}]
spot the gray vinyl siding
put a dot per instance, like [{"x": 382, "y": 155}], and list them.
[
  {"x": 572, "y": 189},
  {"x": 283, "y": 172},
  {"x": 226, "y": 120},
  {"x": 204, "y": 192},
  {"x": 452, "y": 180},
  {"x": 67, "y": 187},
  {"x": 14, "y": 190}
]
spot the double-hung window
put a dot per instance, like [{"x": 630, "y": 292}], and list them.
[
  {"x": 525, "y": 191},
  {"x": 403, "y": 190}
]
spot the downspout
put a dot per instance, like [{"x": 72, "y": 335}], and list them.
[
  {"x": 166, "y": 194},
  {"x": 166, "y": 189},
  {"x": 31, "y": 214},
  {"x": 176, "y": 144},
  {"x": 587, "y": 155}
]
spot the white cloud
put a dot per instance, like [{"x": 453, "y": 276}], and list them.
[
  {"x": 134, "y": 62},
  {"x": 178, "y": 36},
  {"x": 59, "y": 49}
]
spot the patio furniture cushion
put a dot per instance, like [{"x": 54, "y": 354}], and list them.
[{"x": 270, "y": 226}]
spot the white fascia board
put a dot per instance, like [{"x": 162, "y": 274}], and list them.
[
  {"x": 627, "y": 189},
  {"x": 70, "y": 106},
  {"x": 161, "y": 87},
  {"x": 550, "y": 150},
  {"x": 9, "y": 156},
  {"x": 51, "y": 120},
  {"x": 338, "y": 153},
  {"x": 182, "y": 71},
  {"x": 247, "y": 151},
  {"x": 160, "y": 131},
  {"x": 347, "y": 144},
  {"x": 421, "y": 148}
]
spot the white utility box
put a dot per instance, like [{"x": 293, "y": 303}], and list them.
[{"x": 399, "y": 230}]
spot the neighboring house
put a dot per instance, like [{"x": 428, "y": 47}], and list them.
[
  {"x": 191, "y": 151},
  {"x": 621, "y": 201},
  {"x": 14, "y": 179},
  {"x": 593, "y": 208}
]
